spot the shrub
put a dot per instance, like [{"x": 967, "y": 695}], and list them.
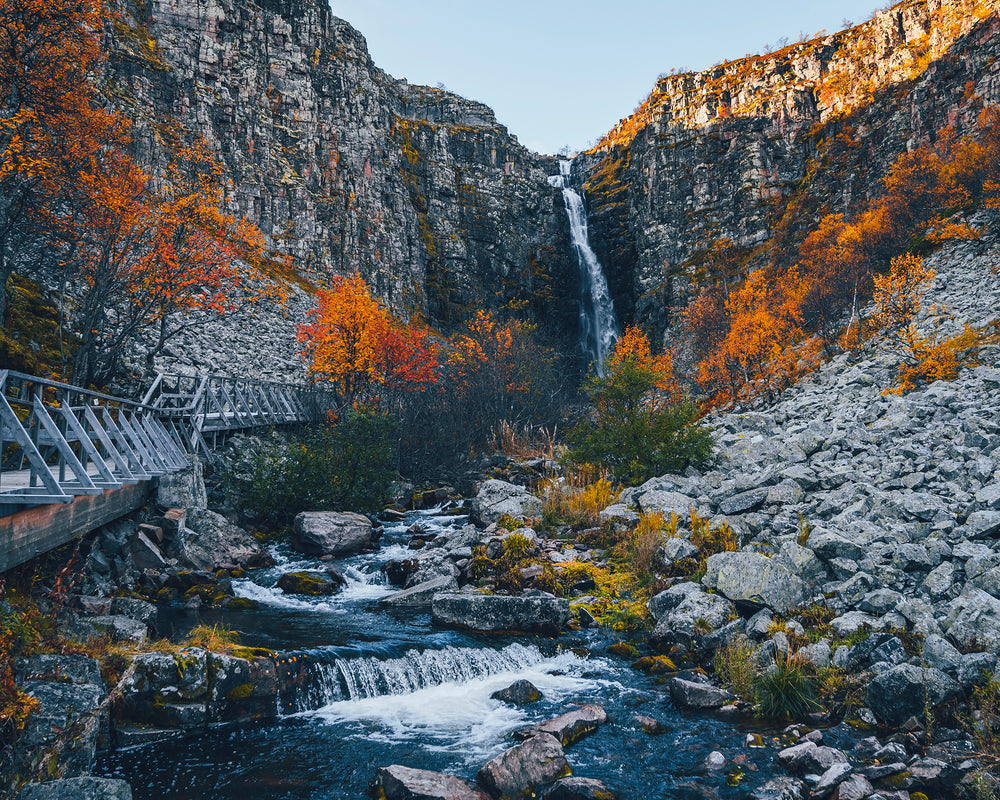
[
  {"x": 644, "y": 545},
  {"x": 580, "y": 508},
  {"x": 787, "y": 690},
  {"x": 736, "y": 667},
  {"x": 347, "y": 465},
  {"x": 639, "y": 427}
]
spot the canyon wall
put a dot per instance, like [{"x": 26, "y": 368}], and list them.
[
  {"x": 345, "y": 168},
  {"x": 766, "y": 145}
]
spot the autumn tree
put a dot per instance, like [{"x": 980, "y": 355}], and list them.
[
  {"x": 355, "y": 344},
  {"x": 498, "y": 372},
  {"x": 51, "y": 128},
  {"x": 640, "y": 426},
  {"x": 149, "y": 251}
]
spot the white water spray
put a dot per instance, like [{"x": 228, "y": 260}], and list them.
[{"x": 598, "y": 324}]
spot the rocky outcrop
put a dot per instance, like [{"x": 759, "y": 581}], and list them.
[
  {"x": 345, "y": 169},
  {"x": 311, "y": 582},
  {"x": 767, "y": 144}
]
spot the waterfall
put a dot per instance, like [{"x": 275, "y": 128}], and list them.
[
  {"x": 339, "y": 679},
  {"x": 598, "y": 325}
]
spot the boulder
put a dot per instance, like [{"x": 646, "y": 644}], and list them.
[
  {"x": 210, "y": 542},
  {"x": 572, "y": 726},
  {"x": 519, "y": 693},
  {"x": 779, "y": 789},
  {"x": 902, "y": 691},
  {"x": 756, "y": 580},
  {"x": 743, "y": 502},
  {"x": 689, "y": 694},
  {"x": 482, "y": 612},
  {"x": 666, "y": 601},
  {"x": 422, "y": 593},
  {"x": 974, "y": 618},
  {"x": 496, "y": 498},
  {"x": 183, "y": 489},
  {"x": 579, "y": 789},
  {"x": 311, "y": 582},
  {"x": 333, "y": 533},
  {"x": 120, "y": 628},
  {"x": 682, "y": 624},
  {"x": 403, "y": 783},
  {"x": 85, "y": 788},
  {"x": 523, "y": 769},
  {"x": 145, "y": 553}
]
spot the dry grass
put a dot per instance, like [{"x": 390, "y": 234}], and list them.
[
  {"x": 579, "y": 507},
  {"x": 524, "y": 441}
]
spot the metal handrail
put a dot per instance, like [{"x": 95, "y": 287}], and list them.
[{"x": 104, "y": 441}]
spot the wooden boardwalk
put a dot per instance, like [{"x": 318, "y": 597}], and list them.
[{"x": 96, "y": 454}]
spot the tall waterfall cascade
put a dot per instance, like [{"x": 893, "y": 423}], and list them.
[{"x": 598, "y": 324}]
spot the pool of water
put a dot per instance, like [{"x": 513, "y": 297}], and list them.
[{"x": 390, "y": 688}]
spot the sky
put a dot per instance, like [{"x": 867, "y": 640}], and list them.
[{"x": 562, "y": 73}]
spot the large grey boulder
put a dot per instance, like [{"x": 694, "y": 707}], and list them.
[
  {"x": 333, "y": 533},
  {"x": 209, "y": 542},
  {"x": 689, "y": 694},
  {"x": 486, "y": 612},
  {"x": 523, "y": 769},
  {"x": 496, "y": 498},
  {"x": 974, "y": 617},
  {"x": 183, "y": 489},
  {"x": 404, "y": 783},
  {"x": 84, "y": 788},
  {"x": 756, "y": 580},
  {"x": 683, "y": 623},
  {"x": 902, "y": 692}
]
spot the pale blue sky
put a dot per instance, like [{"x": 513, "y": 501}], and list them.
[{"x": 563, "y": 73}]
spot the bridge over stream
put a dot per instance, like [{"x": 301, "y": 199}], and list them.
[{"x": 72, "y": 459}]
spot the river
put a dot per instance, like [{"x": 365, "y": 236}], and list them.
[{"x": 390, "y": 688}]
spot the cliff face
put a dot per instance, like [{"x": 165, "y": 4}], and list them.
[
  {"x": 768, "y": 144},
  {"x": 347, "y": 169}
]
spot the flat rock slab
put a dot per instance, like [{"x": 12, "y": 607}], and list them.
[
  {"x": 571, "y": 726},
  {"x": 519, "y": 772},
  {"x": 403, "y": 783},
  {"x": 422, "y": 593},
  {"x": 579, "y": 789},
  {"x": 487, "y": 612},
  {"x": 77, "y": 789},
  {"x": 698, "y": 695}
]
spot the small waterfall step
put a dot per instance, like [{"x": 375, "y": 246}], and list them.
[
  {"x": 598, "y": 323},
  {"x": 326, "y": 678}
]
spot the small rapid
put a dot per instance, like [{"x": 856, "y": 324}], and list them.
[{"x": 598, "y": 322}]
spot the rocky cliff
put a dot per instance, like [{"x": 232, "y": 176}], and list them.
[
  {"x": 345, "y": 168},
  {"x": 755, "y": 150}
]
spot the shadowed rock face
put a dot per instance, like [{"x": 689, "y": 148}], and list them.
[{"x": 347, "y": 169}]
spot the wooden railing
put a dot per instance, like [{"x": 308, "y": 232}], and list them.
[{"x": 59, "y": 441}]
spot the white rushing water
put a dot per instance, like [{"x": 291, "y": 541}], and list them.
[
  {"x": 443, "y": 696},
  {"x": 598, "y": 324}
]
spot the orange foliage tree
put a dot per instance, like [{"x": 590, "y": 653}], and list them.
[
  {"x": 355, "y": 344},
  {"x": 50, "y": 128}
]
